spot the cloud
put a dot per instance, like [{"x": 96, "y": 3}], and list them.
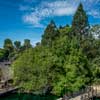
[
  {"x": 33, "y": 20},
  {"x": 45, "y": 9}
]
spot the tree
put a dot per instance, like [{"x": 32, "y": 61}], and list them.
[
  {"x": 8, "y": 45},
  {"x": 16, "y": 52},
  {"x": 62, "y": 64},
  {"x": 50, "y": 34},
  {"x": 74, "y": 64},
  {"x": 65, "y": 31},
  {"x": 17, "y": 45},
  {"x": 3, "y": 54},
  {"x": 80, "y": 23},
  {"x": 27, "y": 44},
  {"x": 96, "y": 69},
  {"x": 28, "y": 73}
]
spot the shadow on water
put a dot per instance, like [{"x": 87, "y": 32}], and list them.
[
  {"x": 26, "y": 96},
  {"x": 96, "y": 98}
]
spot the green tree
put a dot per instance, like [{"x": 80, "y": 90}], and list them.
[
  {"x": 3, "y": 54},
  {"x": 29, "y": 71},
  {"x": 40, "y": 66},
  {"x": 50, "y": 33},
  {"x": 65, "y": 31},
  {"x": 27, "y": 44},
  {"x": 17, "y": 45},
  {"x": 80, "y": 23},
  {"x": 8, "y": 45},
  {"x": 74, "y": 64}
]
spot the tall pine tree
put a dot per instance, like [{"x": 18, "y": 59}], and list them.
[
  {"x": 50, "y": 34},
  {"x": 80, "y": 23}
]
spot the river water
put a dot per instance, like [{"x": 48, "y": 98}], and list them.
[{"x": 23, "y": 96}]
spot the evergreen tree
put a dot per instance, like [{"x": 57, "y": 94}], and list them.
[
  {"x": 50, "y": 34},
  {"x": 27, "y": 44},
  {"x": 80, "y": 23},
  {"x": 17, "y": 45},
  {"x": 8, "y": 45}
]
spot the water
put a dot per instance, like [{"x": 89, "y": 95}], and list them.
[
  {"x": 96, "y": 98},
  {"x": 23, "y": 96}
]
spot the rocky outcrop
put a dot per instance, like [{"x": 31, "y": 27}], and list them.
[{"x": 6, "y": 70}]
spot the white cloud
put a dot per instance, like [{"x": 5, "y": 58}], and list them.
[
  {"x": 33, "y": 20},
  {"x": 64, "y": 11},
  {"x": 60, "y": 8},
  {"x": 45, "y": 9}
]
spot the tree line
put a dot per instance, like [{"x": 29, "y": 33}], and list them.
[{"x": 10, "y": 50}]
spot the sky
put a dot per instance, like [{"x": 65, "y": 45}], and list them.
[{"x": 27, "y": 19}]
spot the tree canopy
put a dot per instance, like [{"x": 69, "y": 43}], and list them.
[
  {"x": 50, "y": 33},
  {"x": 80, "y": 23},
  {"x": 8, "y": 45}
]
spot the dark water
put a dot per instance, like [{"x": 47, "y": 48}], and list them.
[
  {"x": 96, "y": 98},
  {"x": 23, "y": 96}
]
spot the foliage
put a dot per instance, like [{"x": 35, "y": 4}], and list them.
[
  {"x": 80, "y": 23},
  {"x": 40, "y": 66},
  {"x": 27, "y": 44},
  {"x": 28, "y": 74},
  {"x": 17, "y": 45},
  {"x": 3, "y": 54},
  {"x": 64, "y": 61},
  {"x": 8, "y": 45},
  {"x": 50, "y": 33},
  {"x": 75, "y": 68},
  {"x": 12, "y": 50}
]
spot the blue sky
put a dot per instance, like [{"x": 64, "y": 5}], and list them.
[{"x": 21, "y": 19}]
